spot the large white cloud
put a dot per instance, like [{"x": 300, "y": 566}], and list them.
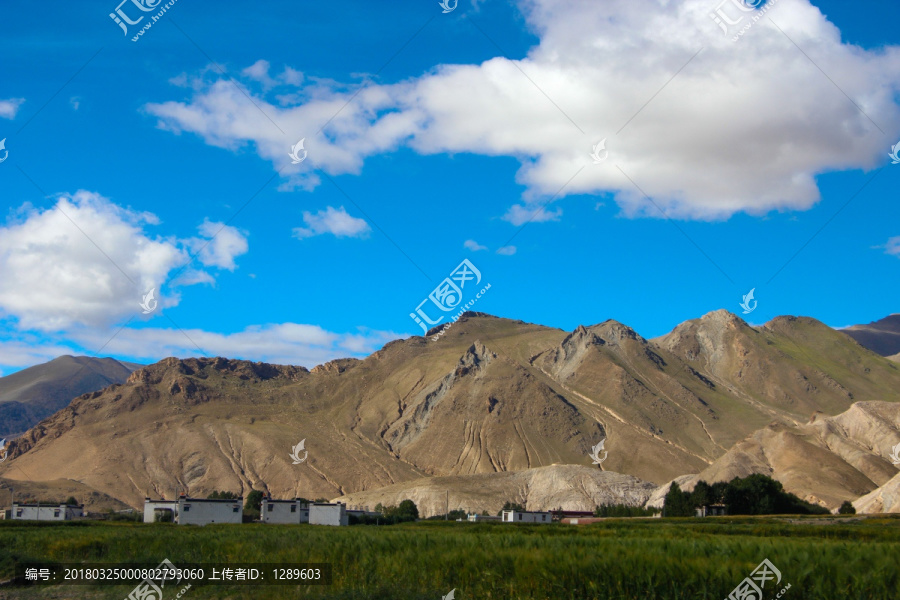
[
  {"x": 745, "y": 126},
  {"x": 87, "y": 262}
]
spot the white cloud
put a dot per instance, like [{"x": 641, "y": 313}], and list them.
[
  {"x": 334, "y": 221},
  {"x": 291, "y": 76},
  {"x": 506, "y": 250},
  {"x": 473, "y": 246},
  {"x": 892, "y": 246},
  {"x": 519, "y": 214},
  {"x": 219, "y": 245},
  {"x": 259, "y": 71},
  {"x": 75, "y": 102},
  {"x": 9, "y": 107},
  {"x": 87, "y": 262},
  {"x": 281, "y": 343},
  {"x": 746, "y": 126}
]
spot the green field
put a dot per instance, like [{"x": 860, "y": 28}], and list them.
[{"x": 820, "y": 557}]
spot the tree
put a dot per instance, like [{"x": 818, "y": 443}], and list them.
[
  {"x": 379, "y": 508},
  {"x": 717, "y": 492},
  {"x": 677, "y": 503},
  {"x": 702, "y": 495},
  {"x": 509, "y": 505},
  {"x": 71, "y": 501},
  {"x": 408, "y": 510},
  {"x": 222, "y": 496},
  {"x": 847, "y": 508},
  {"x": 254, "y": 500}
]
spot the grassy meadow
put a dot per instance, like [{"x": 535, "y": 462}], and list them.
[{"x": 820, "y": 557}]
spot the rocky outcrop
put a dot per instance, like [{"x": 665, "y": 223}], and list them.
[
  {"x": 885, "y": 499},
  {"x": 569, "y": 487}
]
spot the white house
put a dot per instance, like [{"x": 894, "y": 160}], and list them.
[
  {"x": 328, "y": 514},
  {"x": 194, "y": 511},
  {"x": 515, "y": 516},
  {"x": 46, "y": 512},
  {"x": 284, "y": 511},
  {"x": 476, "y": 518}
]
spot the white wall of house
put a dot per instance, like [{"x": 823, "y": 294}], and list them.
[
  {"x": 196, "y": 511},
  {"x": 192, "y": 511},
  {"x": 514, "y": 516},
  {"x": 151, "y": 506},
  {"x": 328, "y": 514},
  {"x": 31, "y": 512},
  {"x": 476, "y": 517},
  {"x": 284, "y": 511}
]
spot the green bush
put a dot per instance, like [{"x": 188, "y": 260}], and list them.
[{"x": 847, "y": 508}]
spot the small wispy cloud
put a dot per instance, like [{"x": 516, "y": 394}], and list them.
[
  {"x": 337, "y": 222},
  {"x": 519, "y": 214},
  {"x": 9, "y": 108},
  {"x": 473, "y": 246},
  {"x": 506, "y": 250},
  {"x": 892, "y": 246}
]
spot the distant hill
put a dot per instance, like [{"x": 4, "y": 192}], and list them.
[
  {"x": 825, "y": 461},
  {"x": 37, "y": 392},
  {"x": 491, "y": 396},
  {"x": 881, "y": 337}
]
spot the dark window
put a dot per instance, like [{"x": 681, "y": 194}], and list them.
[
  {"x": 543, "y": 517},
  {"x": 235, "y": 509},
  {"x": 520, "y": 517},
  {"x": 19, "y": 512},
  {"x": 271, "y": 507},
  {"x": 293, "y": 508},
  {"x": 187, "y": 507},
  {"x": 56, "y": 513}
]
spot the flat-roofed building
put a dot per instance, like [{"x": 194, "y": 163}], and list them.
[
  {"x": 46, "y": 512},
  {"x": 476, "y": 518},
  {"x": 326, "y": 513},
  {"x": 284, "y": 511},
  {"x": 526, "y": 516},
  {"x": 193, "y": 511}
]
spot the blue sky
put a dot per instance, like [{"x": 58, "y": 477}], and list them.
[{"x": 163, "y": 164}]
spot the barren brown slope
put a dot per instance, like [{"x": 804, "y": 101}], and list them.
[
  {"x": 58, "y": 490},
  {"x": 569, "y": 487},
  {"x": 489, "y": 395},
  {"x": 787, "y": 369},
  {"x": 29, "y": 395},
  {"x": 885, "y": 499},
  {"x": 825, "y": 461}
]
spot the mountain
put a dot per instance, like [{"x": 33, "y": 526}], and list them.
[
  {"x": 881, "y": 337},
  {"x": 32, "y": 394},
  {"x": 489, "y": 397},
  {"x": 825, "y": 461}
]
